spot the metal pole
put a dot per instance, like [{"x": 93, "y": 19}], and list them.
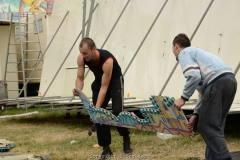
[
  {"x": 26, "y": 47},
  {"x": 44, "y": 52},
  {"x": 8, "y": 49},
  {"x": 47, "y": 24},
  {"x": 169, "y": 77},
  {"x": 23, "y": 73},
  {"x": 115, "y": 24},
  {"x": 90, "y": 18},
  {"x": 145, "y": 37},
  {"x": 84, "y": 18},
  {"x": 174, "y": 68},
  {"x": 236, "y": 70},
  {"x": 110, "y": 32},
  {"x": 65, "y": 59}
]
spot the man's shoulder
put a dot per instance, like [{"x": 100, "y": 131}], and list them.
[
  {"x": 191, "y": 49},
  {"x": 103, "y": 51},
  {"x": 80, "y": 57},
  {"x": 80, "y": 60}
]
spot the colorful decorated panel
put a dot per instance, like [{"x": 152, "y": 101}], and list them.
[
  {"x": 163, "y": 117},
  {"x": 14, "y": 6}
]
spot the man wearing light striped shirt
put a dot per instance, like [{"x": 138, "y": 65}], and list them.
[{"x": 216, "y": 85}]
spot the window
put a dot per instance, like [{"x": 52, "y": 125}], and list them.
[
  {"x": 17, "y": 33},
  {"x": 25, "y": 30},
  {"x": 40, "y": 26},
  {"x": 35, "y": 28}
]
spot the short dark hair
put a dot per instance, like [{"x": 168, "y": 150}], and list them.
[
  {"x": 182, "y": 40},
  {"x": 90, "y": 43}
]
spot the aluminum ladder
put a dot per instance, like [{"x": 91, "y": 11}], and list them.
[{"x": 24, "y": 50}]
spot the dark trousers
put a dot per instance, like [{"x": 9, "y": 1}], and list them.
[
  {"x": 217, "y": 100},
  {"x": 115, "y": 91}
]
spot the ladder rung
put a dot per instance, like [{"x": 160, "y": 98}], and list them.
[
  {"x": 31, "y": 41},
  {"x": 17, "y": 43},
  {"x": 17, "y": 35},
  {"x": 29, "y": 32},
  {"x": 18, "y": 25},
  {"x": 33, "y": 60},
  {"x": 31, "y": 51},
  {"x": 26, "y": 23},
  {"x": 32, "y": 69},
  {"x": 34, "y": 78},
  {"x": 14, "y": 90},
  {"x": 15, "y": 81},
  {"x": 22, "y": 24},
  {"x": 13, "y": 62},
  {"x": 14, "y": 53},
  {"x": 13, "y": 71}
]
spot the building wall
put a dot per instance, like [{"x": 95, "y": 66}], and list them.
[
  {"x": 218, "y": 34},
  {"x": 4, "y": 37},
  {"x": 33, "y": 46}
]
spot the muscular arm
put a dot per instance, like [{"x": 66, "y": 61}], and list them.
[
  {"x": 80, "y": 74},
  {"x": 107, "y": 74}
]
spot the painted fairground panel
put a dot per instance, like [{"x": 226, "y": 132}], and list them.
[
  {"x": 14, "y": 6},
  {"x": 163, "y": 117}
]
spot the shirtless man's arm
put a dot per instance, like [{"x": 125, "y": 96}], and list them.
[{"x": 80, "y": 74}]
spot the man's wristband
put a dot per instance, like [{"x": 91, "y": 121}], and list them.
[
  {"x": 196, "y": 114},
  {"x": 184, "y": 98}
]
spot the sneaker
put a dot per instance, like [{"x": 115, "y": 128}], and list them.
[
  {"x": 127, "y": 147},
  {"x": 106, "y": 154}
]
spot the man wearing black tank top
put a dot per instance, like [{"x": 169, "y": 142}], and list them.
[{"x": 108, "y": 84}]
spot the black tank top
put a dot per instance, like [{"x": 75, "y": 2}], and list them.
[{"x": 97, "y": 68}]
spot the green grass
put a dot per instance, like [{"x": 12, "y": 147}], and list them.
[{"x": 49, "y": 134}]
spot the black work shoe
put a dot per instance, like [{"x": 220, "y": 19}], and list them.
[
  {"x": 106, "y": 154},
  {"x": 127, "y": 147}
]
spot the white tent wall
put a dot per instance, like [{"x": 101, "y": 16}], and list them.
[
  {"x": 55, "y": 54},
  {"x": 218, "y": 34}
]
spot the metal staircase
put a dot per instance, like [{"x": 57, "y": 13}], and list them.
[{"x": 24, "y": 50}]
